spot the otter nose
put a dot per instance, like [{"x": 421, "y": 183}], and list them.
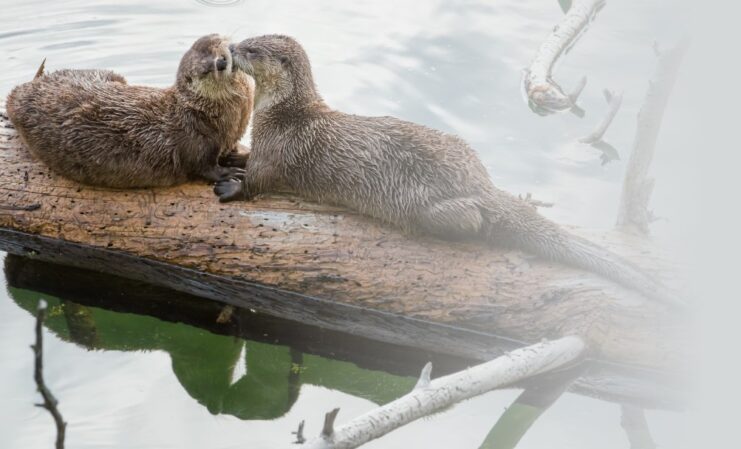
[{"x": 221, "y": 64}]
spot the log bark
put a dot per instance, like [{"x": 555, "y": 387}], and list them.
[
  {"x": 432, "y": 396},
  {"x": 340, "y": 271}
]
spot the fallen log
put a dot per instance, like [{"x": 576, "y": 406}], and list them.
[{"x": 334, "y": 269}]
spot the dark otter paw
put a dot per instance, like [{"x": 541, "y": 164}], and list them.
[
  {"x": 233, "y": 159},
  {"x": 233, "y": 189},
  {"x": 218, "y": 174}
]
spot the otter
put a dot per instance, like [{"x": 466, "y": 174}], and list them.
[
  {"x": 93, "y": 127},
  {"x": 414, "y": 177}
]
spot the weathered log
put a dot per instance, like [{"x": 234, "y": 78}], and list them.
[{"x": 340, "y": 271}]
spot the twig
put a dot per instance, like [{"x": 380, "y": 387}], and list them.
[
  {"x": 300, "y": 434},
  {"x": 636, "y": 428},
  {"x": 613, "y": 101},
  {"x": 544, "y": 95},
  {"x": 637, "y": 186},
  {"x": 528, "y": 198},
  {"x": 50, "y": 402},
  {"x": 429, "y": 397}
]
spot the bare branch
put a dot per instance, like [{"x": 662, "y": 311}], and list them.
[
  {"x": 50, "y": 402},
  {"x": 636, "y": 428},
  {"x": 637, "y": 185},
  {"x": 300, "y": 434},
  {"x": 613, "y": 101},
  {"x": 441, "y": 393},
  {"x": 544, "y": 95}
]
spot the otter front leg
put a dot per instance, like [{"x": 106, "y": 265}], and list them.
[
  {"x": 258, "y": 178},
  {"x": 218, "y": 173},
  {"x": 233, "y": 158},
  {"x": 455, "y": 219}
]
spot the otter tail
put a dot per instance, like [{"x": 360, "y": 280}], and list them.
[
  {"x": 537, "y": 235},
  {"x": 40, "y": 71}
]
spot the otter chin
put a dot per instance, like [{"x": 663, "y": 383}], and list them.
[
  {"x": 409, "y": 175},
  {"x": 93, "y": 127}
]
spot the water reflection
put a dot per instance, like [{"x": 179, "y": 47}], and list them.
[
  {"x": 225, "y": 373},
  {"x": 256, "y": 368},
  {"x": 455, "y": 66}
]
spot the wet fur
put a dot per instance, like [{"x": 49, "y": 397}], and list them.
[
  {"x": 417, "y": 178},
  {"x": 91, "y": 126}
]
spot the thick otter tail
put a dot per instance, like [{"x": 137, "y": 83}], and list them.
[
  {"x": 40, "y": 71},
  {"x": 540, "y": 236}
]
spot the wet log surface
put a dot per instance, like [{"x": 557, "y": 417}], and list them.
[{"x": 334, "y": 269}]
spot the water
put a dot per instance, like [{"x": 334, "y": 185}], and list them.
[{"x": 455, "y": 66}]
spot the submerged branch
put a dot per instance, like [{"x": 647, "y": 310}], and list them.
[
  {"x": 636, "y": 428},
  {"x": 50, "y": 402},
  {"x": 613, "y": 101},
  {"x": 544, "y": 95},
  {"x": 431, "y": 396},
  {"x": 637, "y": 185},
  {"x": 519, "y": 417}
]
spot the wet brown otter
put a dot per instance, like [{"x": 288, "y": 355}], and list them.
[
  {"x": 414, "y": 177},
  {"x": 91, "y": 126}
]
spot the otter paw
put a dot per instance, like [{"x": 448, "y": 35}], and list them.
[
  {"x": 234, "y": 159},
  {"x": 231, "y": 173},
  {"x": 233, "y": 189},
  {"x": 217, "y": 173}
]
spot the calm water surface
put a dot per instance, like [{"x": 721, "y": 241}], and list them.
[{"x": 455, "y": 66}]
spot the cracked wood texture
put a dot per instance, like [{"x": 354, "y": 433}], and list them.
[{"x": 338, "y": 270}]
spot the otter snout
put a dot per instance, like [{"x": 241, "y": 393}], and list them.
[{"x": 221, "y": 64}]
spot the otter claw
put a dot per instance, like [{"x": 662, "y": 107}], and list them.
[
  {"x": 230, "y": 190},
  {"x": 232, "y": 172},
  {"x": 233, "y": 159}
]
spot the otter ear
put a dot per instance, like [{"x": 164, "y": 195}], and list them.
[{"x": 283, "y": 59}]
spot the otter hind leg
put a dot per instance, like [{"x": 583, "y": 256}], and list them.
[{"x": 455, "y": 219}]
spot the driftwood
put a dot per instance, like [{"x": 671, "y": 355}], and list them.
[
  {"x": 432, "y": 396},
  {"x": 634, "y": 214},
  {"x": 339, "y": 271}
]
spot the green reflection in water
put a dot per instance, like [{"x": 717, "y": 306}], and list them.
[{"x": 206, "y": 364}]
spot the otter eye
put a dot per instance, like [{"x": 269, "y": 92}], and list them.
[
  {"x": 283, "y": 59},
  {"x": 251, "y": 51}
]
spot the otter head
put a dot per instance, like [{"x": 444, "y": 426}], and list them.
[
  {"x": 280, "y": 68},
  {"x": 206, "y": 68}
]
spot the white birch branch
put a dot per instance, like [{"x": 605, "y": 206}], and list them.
[
  {"x": 544, "y": 95},
  {"x": 637, "y": 185},
  {"x": 431, "y": 396}
]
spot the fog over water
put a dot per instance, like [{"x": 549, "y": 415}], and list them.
[{"x": 455, "y": 66}]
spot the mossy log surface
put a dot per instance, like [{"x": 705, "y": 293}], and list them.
[{"x": 334, "y": 269}]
